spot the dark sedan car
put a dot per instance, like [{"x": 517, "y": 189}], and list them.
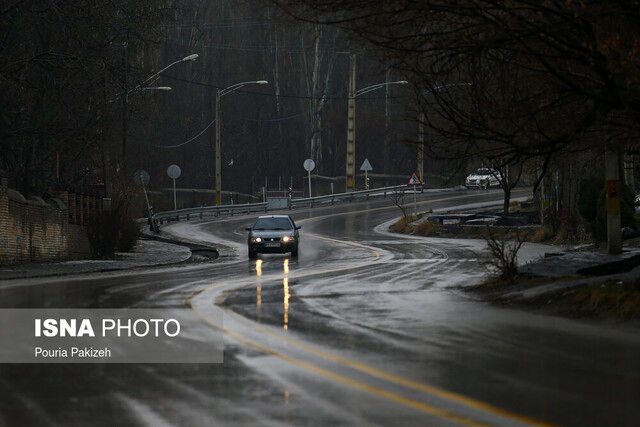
[{"x": 273, "y": 234}]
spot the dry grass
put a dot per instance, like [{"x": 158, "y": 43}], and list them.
[
  {"x": 621, "y": 299},
  {"x": 526, "y": 206},
  {"x": 403, "y": 224},
  {"x": 427, "y": 228},
  {"x": 542, "y": 234},
  {"x": 563, "y": 235}
]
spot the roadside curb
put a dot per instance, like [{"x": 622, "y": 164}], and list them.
[
  {"x": 101, "y": 270},
  {"x": 196, "y": 249}
]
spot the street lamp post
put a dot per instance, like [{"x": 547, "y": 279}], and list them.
[
  {"x": 219, "y": 94},
  {"x": 139, "y": 88},
  {"x": 351, "y": 121}
]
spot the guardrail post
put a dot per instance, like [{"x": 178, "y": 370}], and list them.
[{"x": 187, "y": 217}]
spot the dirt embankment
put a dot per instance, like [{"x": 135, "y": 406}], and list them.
[{"x": 603, "y": 298}]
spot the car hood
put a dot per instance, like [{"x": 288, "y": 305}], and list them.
[{"x": 271, "y": 233}]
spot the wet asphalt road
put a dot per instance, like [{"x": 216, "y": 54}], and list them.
[{"x": 364, "y": 328}]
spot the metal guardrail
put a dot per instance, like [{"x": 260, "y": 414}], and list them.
[
  {"x": 201, "y": 212},
  {"x": 352, "y": 196}
]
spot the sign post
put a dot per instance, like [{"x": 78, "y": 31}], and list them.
[
  {"x": 174, "y": 173},
  {"x": 309, "y": 165},
  {"x": 141, "y": 177},
  {"x": 366, "y": 167},
  {"x": 414, "y": 181}
]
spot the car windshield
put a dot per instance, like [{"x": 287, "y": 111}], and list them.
[
  {"x": 272, "y": 224},
  {"x": 483, "y": 172}
]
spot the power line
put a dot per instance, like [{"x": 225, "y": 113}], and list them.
[
  {"x": 188, "y": 140},
  {"x": 277, "y": 119}
]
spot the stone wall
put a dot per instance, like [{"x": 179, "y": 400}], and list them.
[{"x": 34, "y": 230}]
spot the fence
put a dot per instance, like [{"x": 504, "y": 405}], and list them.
[{"x": 329, "y": 199}]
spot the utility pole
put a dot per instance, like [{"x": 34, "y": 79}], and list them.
[
  {"x": 386, "y": 166},
  {"x": 420, "y": 154},
  {"x": 612, "y": 177},
  {"x": 219, "y": 94},
  {"x": 218, "y": 153},
  {"x": 351, "y": 126}
]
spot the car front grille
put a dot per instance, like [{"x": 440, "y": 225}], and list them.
[{"x": 271, "y": 239}]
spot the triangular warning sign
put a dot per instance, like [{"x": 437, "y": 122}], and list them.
[
  {"x": 414, "y": 180},
  {"x": 366, "y": 165}
]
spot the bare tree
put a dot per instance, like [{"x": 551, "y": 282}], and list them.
[
  {"x": 508, "y": 176},
  {"x": 544, "y": 76},
  {"x": 321, "y": 65},
  {"x": 397, "y": 197}
]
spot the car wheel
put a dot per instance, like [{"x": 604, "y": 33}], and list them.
[
  {"x": 294, "y": 253},
  {"x": 252, "y": 254},
  {"x": 485, "y": 185}
]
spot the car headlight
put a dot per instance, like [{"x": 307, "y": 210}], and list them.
[
  {"x": 287, "y": 239},
  {"x": 257, "y": 239}
]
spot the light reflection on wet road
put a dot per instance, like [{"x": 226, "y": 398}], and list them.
[{"x": 399, "y": 314}]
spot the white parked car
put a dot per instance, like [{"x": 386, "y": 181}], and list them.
[{"x": 483, "y": 178}]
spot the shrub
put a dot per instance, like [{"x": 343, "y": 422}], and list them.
[
  {"x": 503, "y": 256},
  {"x": 129, "y": 234},
  {"x": 116, "y": 228},
  {"x": 103, "y": 234}
]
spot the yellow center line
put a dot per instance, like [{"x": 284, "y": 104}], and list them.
[
  {"x": 451, "y": 396},
  {"x": 420, "y": 406}
]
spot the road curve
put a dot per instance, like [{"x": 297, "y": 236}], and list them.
[{"x": 365, "y": 327}]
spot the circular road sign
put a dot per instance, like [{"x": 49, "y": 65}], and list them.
[
  {"x": 309, "y": 165},
  {"x": 141, "y": 177},
  {"x": 174, "y": 171}
]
